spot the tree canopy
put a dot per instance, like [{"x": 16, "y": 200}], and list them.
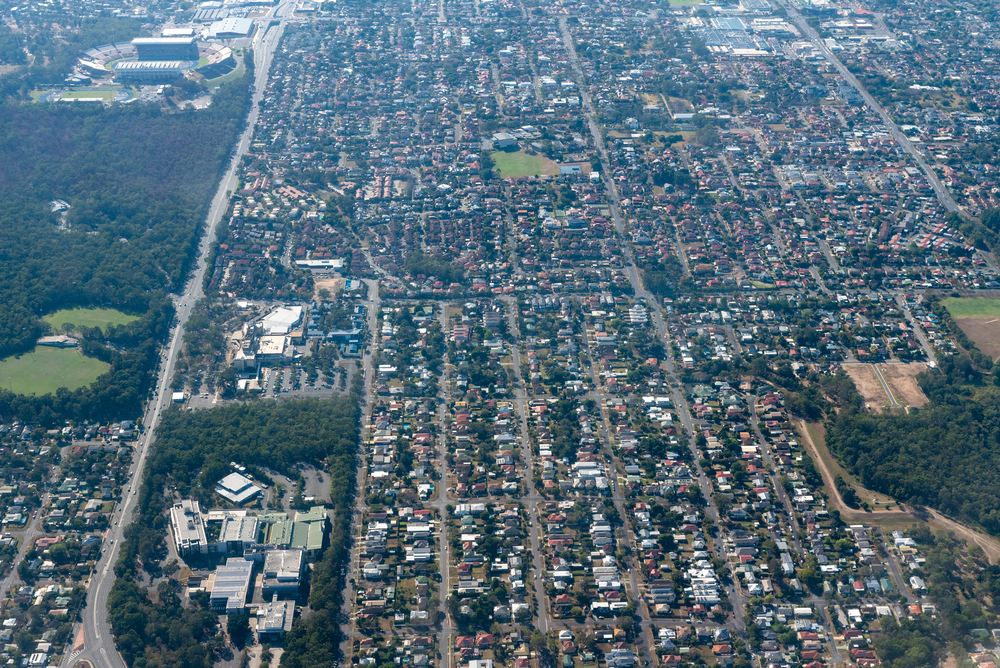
[
  {"x": 139, "y": 182},
  {"x": 943, "y": 455}
]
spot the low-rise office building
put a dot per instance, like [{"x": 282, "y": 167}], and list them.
[
  {"x": 188, "y": 528},
  {"x": 283, "y": 573},
  {"x": 231, "y": 585}
]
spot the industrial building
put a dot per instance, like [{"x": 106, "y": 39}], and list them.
[
  {"x": 237, "y": 488},
  {"x": 305, "y": 533},
  {"x": 283, "y": 573},
  {"x": 504, "y": 140},
  {"x": 188, "y": 528},
  {"x": 163, "y": 71},
  {"x": 231, "y": 584},
  {"x": 166, "y": 48},
  {"x": 282, "y": 321}
]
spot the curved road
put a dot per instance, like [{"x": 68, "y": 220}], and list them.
[{"x": 99, "y": 648}]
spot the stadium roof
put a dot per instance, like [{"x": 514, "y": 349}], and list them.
[
  {"x": 163, "y": 40},
  {"x": 149, "y": 65},
  {"x": 231, "y": 26}
]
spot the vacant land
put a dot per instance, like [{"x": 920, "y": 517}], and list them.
[
  {"x": 984, "y": 332},
  {"x": 332, "y": 285},
  {"x": 512, "y": 165},
  {"x": 902, "y": 379},
  {"x": 979, "y": 318},
  {"x": 87, "y": 317},
  {"x": 45, "y": 370},
  {"x": 868, "y": 386}
]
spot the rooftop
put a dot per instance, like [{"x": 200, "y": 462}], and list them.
[
  {"x": 186, "y": 521},
  {"x": 232, "y": 582},
  {"x": 237, "y": 488},
  {"x": 242, "y": 529}
]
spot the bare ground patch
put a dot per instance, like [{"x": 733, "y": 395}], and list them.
[
  {"x": 868, "y": 386},
  {"x": 902, "y": 379},
  {"x": 332, "y": 285},
  {"x": 984, "y": 332}
]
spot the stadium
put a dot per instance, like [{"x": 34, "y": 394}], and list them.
[{"x": 156, "y": 60}]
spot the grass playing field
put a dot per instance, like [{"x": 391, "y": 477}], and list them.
[
  {"x": 979, "y": 318},
  {"x": 971, "y": 307},
  {"x": 45, "y": 370},
  {"x": 88, "y": 317},
  {"x": 88, "y": 94},
  {"x": 962, "y": 307},
  {"x": 517, "y": 164}
]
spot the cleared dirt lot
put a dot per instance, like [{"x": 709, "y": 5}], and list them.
[
  {"x": 333, "y": 285},
  {"x": 902, "y": 379},
  {"x": 868, "y": 386},
  {"x": 984, "y": 332}
]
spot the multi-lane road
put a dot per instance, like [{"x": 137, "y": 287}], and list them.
[
  {"x": 99, "y": 648},
  {"x": 939, "y": 189}
]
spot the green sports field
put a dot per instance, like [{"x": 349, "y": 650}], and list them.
[
  {"x": 512, "y": 165},
  {"x": 963, "y": 307},
  {"x": 88, "y": 94},
  {"x": 46, "y": 369},
  {"x": 88, "y": 317}
]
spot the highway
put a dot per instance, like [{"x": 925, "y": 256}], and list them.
[{"x": 99, "y": 648}]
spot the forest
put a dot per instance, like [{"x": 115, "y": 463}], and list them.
[
  {"x": 192, "y": 452},
  {"x": 429, "y": 265},
  {"x": 139, "y": 182},
  {"x": 943, "y": 455}
]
